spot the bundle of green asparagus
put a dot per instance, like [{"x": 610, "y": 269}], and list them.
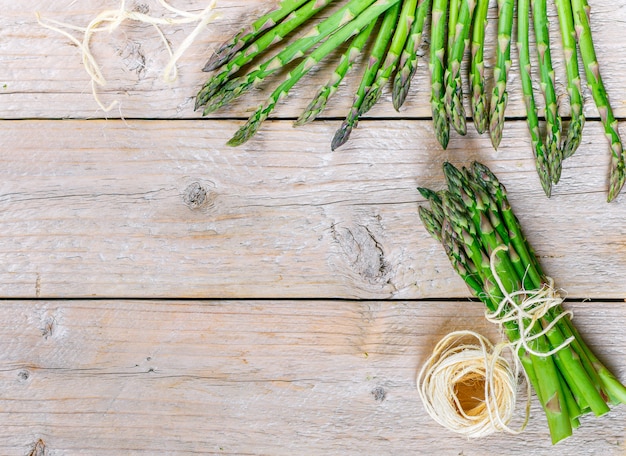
[
  {"x": 483, "y": 239},
  {"x": 390, "y": 31}
]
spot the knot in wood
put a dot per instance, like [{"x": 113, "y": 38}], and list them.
[{"x": 194, "y": 195}]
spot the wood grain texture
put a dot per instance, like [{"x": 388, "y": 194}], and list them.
[
  {"x": 99, "y": 208},
  {"x": 312, "y": 294},
  {"x": 42, "y": 73},
  {"x": 255, "y": 377}
]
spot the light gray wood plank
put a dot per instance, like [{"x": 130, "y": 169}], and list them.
[
  {"x": 42, "y": 75},
  {"x": 256, "y": 377},
  {"x": 99, "y": 208}
]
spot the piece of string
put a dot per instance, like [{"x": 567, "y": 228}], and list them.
[
  {"x": 110, "y": 20},
  {"x": 533, "y": 306},
  {"x": 453, "y": 364},
  {"x": 453, "y": 369}
]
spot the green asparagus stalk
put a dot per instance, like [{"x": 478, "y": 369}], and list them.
[
  {"x": 554, "y": 154},
  {"x": 379, "y": 49},
  {"x": 400, "y": 36},
  {"x": 328, "y": 46},
  {"x": 239, "y": 59},
  {"x": 581, "y": 11},
  {"x": 459, "y": 30},
  {"x": 408, "y": 59},
  {"x": 318, "y": 103},
  {"x": 478, "y": 99},
  {"x": 568, "y": 38},
  {"x": 454, "y": 6},
  {"x": 484, "y": 242},
  {"x": 437, "y": 66},
  {"x": 247, "y": 34},
  {"x": 236, "y": 87},
  {"x": 523, "y": 29},
  {"x": 500, "y": 96}
]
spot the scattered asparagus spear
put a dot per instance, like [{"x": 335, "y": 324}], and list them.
[
  {"x": 459, "y": 30},
  {"x": 408, "y": 58},
  {"x": 500, "y": 96},
  {"x": 580, "y": 10},
  {"x": 484, "y": 243},
  {"x": 436, "y": 66},
  {"x": 478, "y": 100},
  {"x": 532, "y": 119},
  {"x": 379, "y": 49},
  {"x": 404, "y": 21},
  {"x": 247, "y": 34},
  {"x": 553, "y": 120},
  {"x": 568, "y": 38}
]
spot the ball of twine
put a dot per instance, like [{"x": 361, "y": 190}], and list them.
[{"x": 470, "y": 389}]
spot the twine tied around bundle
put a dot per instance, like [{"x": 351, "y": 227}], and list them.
[{"x": 470, "y": 388}]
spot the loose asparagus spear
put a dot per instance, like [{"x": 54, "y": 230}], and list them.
[
  {"x": 436, "y": 66},
  {"x": 379, "y": 48},
  {"x": 580, "y": 10},
  {"x": 478, "y": 100},
  {"x": 247, "y": 34},
  {"x": 246, "y": 55},
  {"x": 554, "y": 154},
  {"x": 454, "y": 87},
  {"x": 236, "y": 87},
  {"x": 389, "y": 8},
  {"x": 568, "y": 38},
  {"x": 454, "y": 6},
  {"x": 405, "y": 20},
  {"x": 408, "y": 58},
  {"x": 318, "y": 103},
  {"x": 523, "y": 29},
  {"x": 499, "y": 96}
]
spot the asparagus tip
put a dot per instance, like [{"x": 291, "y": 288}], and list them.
[{"x": 341, "y": 136}]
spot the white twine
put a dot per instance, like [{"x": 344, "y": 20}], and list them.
[
  {"x": 452, "y": 364},
  {"x": 532, "y": 308},
  {"x": 110, "y": 20}
]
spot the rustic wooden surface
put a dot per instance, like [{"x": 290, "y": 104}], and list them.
[{"x": 166, "y": 294}]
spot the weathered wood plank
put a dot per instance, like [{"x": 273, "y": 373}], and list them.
[
  {"x": 255, "y": 377},
  {"x": 42, "y": 75},
  {"x": 101, "y": 208}
]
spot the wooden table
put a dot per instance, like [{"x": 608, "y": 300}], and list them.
[{"x": 164, "y": 293}]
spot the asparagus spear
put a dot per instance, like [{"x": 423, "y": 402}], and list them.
[
  {"x": 478, "y": 100},
  {"x": 244, "y": 56},
  {"x": 568, "y": 38},
  {"x": 408, "y": 58},
  {"x": 485, "y": 252},
  {"x": 436, "y": 66},
  {"x": 553, "y": 120},
  {"x": 499, "y": 96},
  {"x": 454, "y": 88},
  {"x": 236, "y": 87},
  {"x": 523, "y": 28},
  {"x": 379, "y": 48},
  {"x": 328, "y": 46},
  {"x": 581, "y": 10},
  {"x": 247, "y": 34},
  {"x": 404, "y": 22},
  {"x": 318, "y": 103},
  {"x": 454, "y": 6}
]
